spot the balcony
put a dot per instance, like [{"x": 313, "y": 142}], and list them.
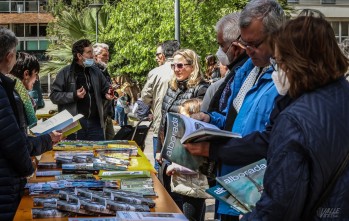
[{"x": 319, "y": 2}]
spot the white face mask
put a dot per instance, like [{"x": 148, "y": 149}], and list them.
[
  {"x": 222, "y": 57},
  {"x": 281, "y": 81}
]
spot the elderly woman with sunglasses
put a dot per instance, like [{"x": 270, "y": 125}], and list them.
[{"x": 187, "y": 83}]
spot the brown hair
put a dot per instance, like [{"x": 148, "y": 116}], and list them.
[
  {"x": 309, "y": 54},
  {"x": 190, "y": 106},
  {"x": 211, "y": 65}
]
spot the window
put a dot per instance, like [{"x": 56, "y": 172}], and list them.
[
  {"x": 20, "y": 46},
  {"x": 293, "y": 1},
  {"x": 43, "y": 44},
  {"x": 42, "y": 30},
  {"x": 31, "y": 30},
  {"x": 18, "y": 29},
  {"x": 328, "y": 1},
  {"x": 4, "y": 7},
  {"x": 31, "y": 45}
]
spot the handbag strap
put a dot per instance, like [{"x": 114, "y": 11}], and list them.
[{"x": 329, "y": 187}]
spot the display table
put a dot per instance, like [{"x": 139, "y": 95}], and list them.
[{"x": 164, "y": 202}]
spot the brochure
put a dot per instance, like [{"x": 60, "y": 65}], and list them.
[
  {"x": 182, "y": 129},
  {"x": 62, "y": 121},
  {"x": 246, "y": 183}
]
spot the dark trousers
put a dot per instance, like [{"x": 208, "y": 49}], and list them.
[{"x": 90, "y": 130}]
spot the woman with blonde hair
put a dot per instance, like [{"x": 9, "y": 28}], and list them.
[{"x": 187, "y": 83}]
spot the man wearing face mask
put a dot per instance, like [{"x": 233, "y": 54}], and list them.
[
  {"x": 230, "y": 55},
  {"x": 81, "y": 88}
]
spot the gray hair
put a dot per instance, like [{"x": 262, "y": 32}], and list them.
[
  {"x": 229, "y": 25},
  {"x": 97, "y": 48},
  {"x": 8, "y": 41},
  {"x": 269, "y": 11}
]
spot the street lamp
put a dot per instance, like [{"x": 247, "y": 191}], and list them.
[
  {"x": 177, "y": 20},
  {"x": 98, "y": 7}
]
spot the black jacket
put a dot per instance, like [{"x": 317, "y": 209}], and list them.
[
  {"x": 64, "y": 90},
  {"x": 173, "y": 99},
  {"x": 15, "y": 162}
]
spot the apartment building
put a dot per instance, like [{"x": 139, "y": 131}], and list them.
[
  {"x": 336, "y": 12},
  {"x": 28, "y": 19}
]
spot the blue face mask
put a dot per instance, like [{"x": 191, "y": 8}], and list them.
[{"x": 88, "y": 62}]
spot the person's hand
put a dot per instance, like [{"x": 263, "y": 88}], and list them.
[
  {"x": 81, "y": 92},
  {"x": 240, "y": 217},
  {"x": 56, "y": 136},
  {"x": 201, "y": 116},
  {"x": 150, "y": 117},
  {"x": 158, "y": 158},
  {"x": 170, "y": 170},
  {"x": 198, "y": 149},
  {"x": 109, "y": 96}
]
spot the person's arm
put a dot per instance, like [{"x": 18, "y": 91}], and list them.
[
  {"x": 147, "y": 91},
  {"x": 59, "y": 93},
  {"x": 13, "y": 145},
  {"x": 286, "y": 180}
]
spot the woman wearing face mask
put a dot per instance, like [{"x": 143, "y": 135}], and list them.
[
  {"x": 187, "y": 83},
  {"x": 309, "y": 142}
]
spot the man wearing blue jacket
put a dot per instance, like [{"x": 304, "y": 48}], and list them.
[{"x": 252, "y": 92}]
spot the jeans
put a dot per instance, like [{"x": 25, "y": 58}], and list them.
[
  {"x": 155, "y": 145},
  {"x": 121, "y": 115},
  {"x": 90, "y": 130}
]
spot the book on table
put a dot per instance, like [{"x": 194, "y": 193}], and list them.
[
  {"x": 245, "y": 185},
  {"x": 63, "y": 121},
  {"x": 182, "y": 129}
]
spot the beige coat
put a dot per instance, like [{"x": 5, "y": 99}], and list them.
[{"x": 155, "y": 89}]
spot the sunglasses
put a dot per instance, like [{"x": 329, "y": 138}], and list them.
[{"x": 178, "y": 65}]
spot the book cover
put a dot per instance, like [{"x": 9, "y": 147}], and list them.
[
  {"x": 59, "y": 121},
  {"x": 246, "y": 183},
  {"x": 173, "y": 149},
  {"x": 151, "y": 216},
  {"x": 221, "y": 194}
]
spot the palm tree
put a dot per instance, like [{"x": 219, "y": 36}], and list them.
[{"x": 68, "y": 28}]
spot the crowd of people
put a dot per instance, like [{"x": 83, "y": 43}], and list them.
[{"x": 279, "y": 83}]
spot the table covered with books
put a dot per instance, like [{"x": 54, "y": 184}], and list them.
[{"x": 94, "y": 180}]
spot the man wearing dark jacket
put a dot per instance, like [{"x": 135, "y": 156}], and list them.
[{"x": 81, "y": 88}]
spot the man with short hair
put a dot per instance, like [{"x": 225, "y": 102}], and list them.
[
  {"x": 228, "y": 54},
  {"x": 81, "y": 88},
  {"x": 159, "y": 56},
  {"x": 253, "y": 92},
  {"x": 156, "y": 86},
  {"x": 101, "y": 56}
]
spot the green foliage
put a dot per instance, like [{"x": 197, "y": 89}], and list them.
[
  {"x": 137, "y": 26},
  {"x": 133, "y": 28}
]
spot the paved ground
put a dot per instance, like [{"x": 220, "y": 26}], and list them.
[{"x": 148, "y": 151}]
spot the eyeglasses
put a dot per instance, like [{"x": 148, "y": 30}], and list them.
[
  {"x": 246, "y": 46},
  {"x": 178, "y": 65},
  {"x": 274, "y": 64}
]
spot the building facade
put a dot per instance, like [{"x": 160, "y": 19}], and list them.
[{"x": 336, "y": 12}]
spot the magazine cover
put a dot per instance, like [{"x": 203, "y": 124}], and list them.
[
  {"x": 221, "y": 194},
  {"x": 151, "y": 216},
  {"x": 246, "y": 183},
  {"x": 173, "y": 149}
]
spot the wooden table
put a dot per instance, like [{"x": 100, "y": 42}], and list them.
[{"x": 164, "y": 202}]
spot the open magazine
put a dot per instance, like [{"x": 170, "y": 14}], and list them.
[
  {"x": 245, "y": 184},
  {"x": 182, "y": 129},
  {"x": 62, "y": 121}
]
